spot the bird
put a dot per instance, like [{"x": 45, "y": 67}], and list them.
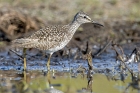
[{"x": 52, "y": 38}]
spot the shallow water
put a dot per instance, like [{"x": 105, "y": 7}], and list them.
[
  {"x": 36, "y": 61},
  {"x": 33, "y": 81},
  {"x": 67, "y": 74}
]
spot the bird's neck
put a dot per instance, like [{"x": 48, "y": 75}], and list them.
[{"x": 74, "y": 26}]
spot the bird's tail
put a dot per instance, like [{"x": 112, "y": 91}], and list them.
[{"x": 24, "y": 43}]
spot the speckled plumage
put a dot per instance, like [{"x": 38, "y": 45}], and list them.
[
  {"x": 55, "y": 37},
  {"x": 51, "y": 38},
  {"x": 44, "y": 39}
]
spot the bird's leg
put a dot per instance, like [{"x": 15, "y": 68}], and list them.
[
  {"x": 24, "y": 58},
  {"x": 48, "y": 63},
  {"x": 25, "y": 76}
]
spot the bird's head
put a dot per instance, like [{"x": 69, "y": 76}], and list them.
[{"x": 82, "y": 18}]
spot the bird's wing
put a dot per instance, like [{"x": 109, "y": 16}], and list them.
[{"x": 44, "y": 39}]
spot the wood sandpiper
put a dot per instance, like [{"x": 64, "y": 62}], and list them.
[{"x": 53, "y": 38}]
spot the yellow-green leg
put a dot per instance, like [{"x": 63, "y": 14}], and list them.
[
  {"x": 48, "y": 63},
  {"x": 24, "y": 58},
  {"x": 25, "y": 77}
]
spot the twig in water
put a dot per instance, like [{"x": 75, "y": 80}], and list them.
[
  {"x": 89, "y": 59},
  {"x": 17, "y": 54},
  {"x": 122, "y": 59},
  {"x": 103, "y": 49}
]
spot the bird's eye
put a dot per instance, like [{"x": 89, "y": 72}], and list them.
[{"x": 85, "y": 17}]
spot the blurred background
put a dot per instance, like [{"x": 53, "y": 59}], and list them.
[{"x": 121, "y": 19}]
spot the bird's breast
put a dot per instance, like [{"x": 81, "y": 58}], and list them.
[{"x": 62, "y": 44}]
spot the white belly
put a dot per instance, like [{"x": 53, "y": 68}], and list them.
[{"x": 59, "y": 47}]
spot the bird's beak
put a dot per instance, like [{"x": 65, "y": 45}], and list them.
[{"x": 97, "y": 24}]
